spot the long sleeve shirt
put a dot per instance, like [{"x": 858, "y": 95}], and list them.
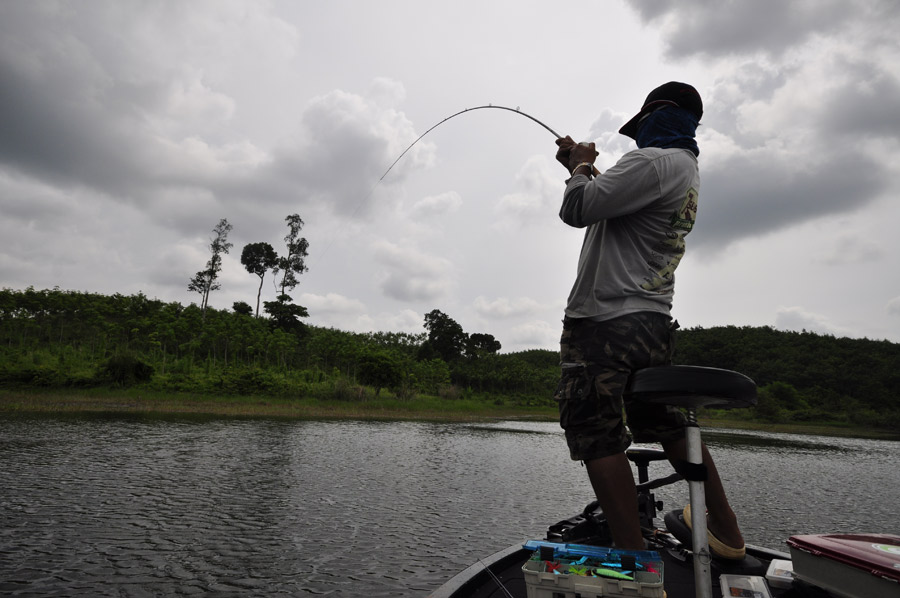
[{"x": 636, "y": 214}]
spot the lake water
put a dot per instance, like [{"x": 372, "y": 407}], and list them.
[{"x": 120, "y": 506}]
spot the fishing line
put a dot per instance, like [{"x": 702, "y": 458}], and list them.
[
  {"x": 433, "y": 127},
  {"x": 394, "y": 163},
  {"x": 516, "y": 110},
  {"x": 496, "y": 579}
]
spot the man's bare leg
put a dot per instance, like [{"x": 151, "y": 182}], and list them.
[
  {"x": 722, "y": 521},
  {"x": 613, "y": 483}
]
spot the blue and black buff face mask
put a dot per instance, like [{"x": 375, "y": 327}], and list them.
[{"x": 667, "y": 128}]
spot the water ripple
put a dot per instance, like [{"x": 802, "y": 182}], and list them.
[{"x": 124, "y": 507}]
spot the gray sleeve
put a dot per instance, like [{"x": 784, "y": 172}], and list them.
[
  {"x": 571, "y": 209},
  {"x": 629, "y": 186}
]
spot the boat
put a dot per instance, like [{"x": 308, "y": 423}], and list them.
[
  {"x": 762, "y": 573},
  {"x": 571, "y": 561}
]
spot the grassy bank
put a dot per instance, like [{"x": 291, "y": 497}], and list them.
[
  {"x": 811, "y": 428},
  {"x": 142, "y": 401},
  {"x": 138, "y": 401}
]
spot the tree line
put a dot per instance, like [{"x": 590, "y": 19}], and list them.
[
  {"x": 59, "y": 338},
  {"x": 804, "y": 376},
  {"x": 259, "y": 259}
]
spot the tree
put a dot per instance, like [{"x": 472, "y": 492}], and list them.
[
  {"x": 205, "y": 280},
  {"x": 786, "y": 395},
  {"x": 259, "y": 258},
  {"x": 768, "y": 407},
  {"x": 292, "y": 264},
  {"x": 478, "y": 344},
  {"x": 202, "y": 283},
  {"x": 242, "y": 307},
  {"x": 445, "y": 337},
  {"x": 430, "y": 375},
  {"x": 284, "y": 314},
  {"x": 380, "y": 369}
]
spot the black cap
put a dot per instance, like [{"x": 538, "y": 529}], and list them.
[{"x": 672, "y": 93}]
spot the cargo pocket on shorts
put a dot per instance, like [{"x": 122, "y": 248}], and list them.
[{"x": 575, "y": 396}]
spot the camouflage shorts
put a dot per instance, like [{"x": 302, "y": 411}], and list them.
[{"x": 597, "y": 358}]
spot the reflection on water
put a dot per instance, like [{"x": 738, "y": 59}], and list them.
[
  {"x": 156, "y": 506},
  {"x": 781, "y": 442}
]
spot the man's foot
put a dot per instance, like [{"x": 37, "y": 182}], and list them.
[{"x": 717, "y": 547}]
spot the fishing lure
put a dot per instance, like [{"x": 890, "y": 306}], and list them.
[
  {"x": 554, "y": 567},
  {"x": 599, "y": 572},
  {"x": 619, "y": 565}
]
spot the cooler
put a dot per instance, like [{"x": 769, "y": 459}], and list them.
[{"x": 849, "y": 565}]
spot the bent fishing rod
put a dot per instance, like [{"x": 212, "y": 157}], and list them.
[
  {"x": 433, "y": 127},
  {"x": 487, "y": 106}
]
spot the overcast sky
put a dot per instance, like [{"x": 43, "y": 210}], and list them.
[{"x": 128, "y": 129}]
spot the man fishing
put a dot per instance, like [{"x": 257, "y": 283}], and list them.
[{"x": 618, "y": 315}]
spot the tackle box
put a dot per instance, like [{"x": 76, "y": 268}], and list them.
[
  {"x": 780, "y": 574},
  {"x": 849, "y": 565},
  {"x": 744, "y": 586},
  {"x": 578, "y": 571}
]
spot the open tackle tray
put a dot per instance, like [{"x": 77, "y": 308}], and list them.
[{"x": 570, "y": 570}]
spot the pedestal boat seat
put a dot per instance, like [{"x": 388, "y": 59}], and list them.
[{"x": 692, "y": 387}]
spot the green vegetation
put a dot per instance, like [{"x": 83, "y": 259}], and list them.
[
  {"x": 67, "y": 350},
  {"x": 804, "y": 378},
  {"x": 53, "y": 339},
  {"x": 145, "y": 402}
]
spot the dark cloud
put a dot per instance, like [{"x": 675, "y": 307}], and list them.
[
  {"x": 789, "y": 122},
  {"x": 128, "y": 129},
  {"x": 705, "y": 27},
  {"x": 867, "y": 107},
  {"x": 46, "y": 132},
  {"x": 753, "y": 194},
  {"x": 81, "y": 109},
  {"x": 78, "y": 106}
]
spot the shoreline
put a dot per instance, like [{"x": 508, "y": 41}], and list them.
[
  {"x": 132, "y": 402},
  {"x": 138, "y": 402}
]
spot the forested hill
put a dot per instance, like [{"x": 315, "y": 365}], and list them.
[
  {"x": 805, "y": 375},
  {"x": 54, "y": 338}
]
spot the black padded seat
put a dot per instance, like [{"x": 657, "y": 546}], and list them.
[
  {"x": 692, "y": 386},
  {"x": 640, "y": 454}
]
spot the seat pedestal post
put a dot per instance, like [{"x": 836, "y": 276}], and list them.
[
  {"x": 702, "y": 576},
  {"x": 691, "y": 387}
]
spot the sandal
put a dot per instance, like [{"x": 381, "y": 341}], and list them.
[{"x": 716, "y": 546}]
